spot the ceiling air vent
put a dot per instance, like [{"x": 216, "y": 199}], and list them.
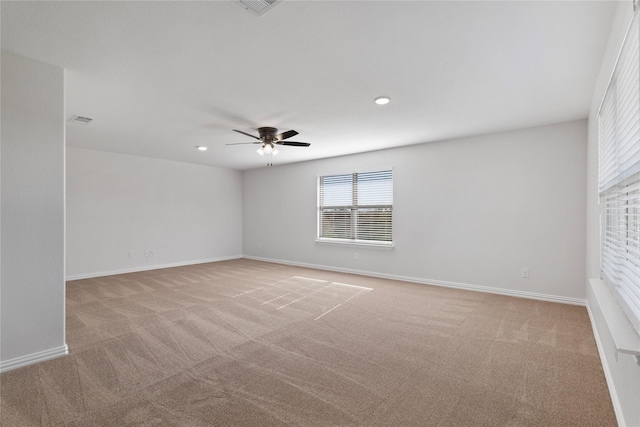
[
  {"x": 259, "y": 7},
  {"x": 81, "y": 119}
]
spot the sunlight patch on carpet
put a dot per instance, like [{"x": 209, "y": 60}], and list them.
[{"x": 326, "y": 296}]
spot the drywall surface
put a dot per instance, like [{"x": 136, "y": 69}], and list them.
[
  {"x": 181, "y": 213},
  {"x": 623, "y": 374},
  {"x": 32, "y": 288},
  {"x": 472, "y": 211}
]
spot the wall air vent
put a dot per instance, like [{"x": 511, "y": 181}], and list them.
[
  {"x": 259, "y": 7},
  {"x": 81, "y": 119}
]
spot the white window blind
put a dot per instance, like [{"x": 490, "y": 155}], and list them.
[
  {"x": 621, "y": 242},
  {"x": 619, "y": 177},
  {"x": 356, "y": 207},
  {"x": 619, "y": 117}
]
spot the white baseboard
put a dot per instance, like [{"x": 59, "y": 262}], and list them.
[
  {"x": 465, "y": 286},
  {"x": 148, "y": 267},
  {"x": 617, "y": 407},
  {"x": 30, "y": 359}
]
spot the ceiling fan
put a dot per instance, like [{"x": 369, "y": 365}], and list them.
[{"x": 269, "y": 138}]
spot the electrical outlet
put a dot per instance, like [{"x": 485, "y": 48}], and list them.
[
  {"x": 130, "y": 254},
  {"x": 146, "y": 253},
  {"x": 150, "y": 253},
  {"x": 525, "y": 273},
  {"x": 356, "y": 255}
]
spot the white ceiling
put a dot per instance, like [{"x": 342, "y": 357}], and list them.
[{"x": 160, "y": 78}]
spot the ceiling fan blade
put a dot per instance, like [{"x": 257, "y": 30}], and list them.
[
  {"x": 242, "y": 143},
  {"x": 294, "y": 144},
  {"x": 287, "y": 134},
  {"x": 248, "y": 134}
]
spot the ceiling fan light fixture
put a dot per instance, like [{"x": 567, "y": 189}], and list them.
[
  {"x": 382, "y": 100},
  {"x": 268, "y": 139}
]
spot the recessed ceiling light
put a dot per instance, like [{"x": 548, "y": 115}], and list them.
[
  {"x": 381, "y": 100},
  {"x": 201, "y": 148}
]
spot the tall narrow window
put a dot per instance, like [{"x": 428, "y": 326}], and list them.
[
  {"x": 619, "y": 177},
  {"x": 356, "y": 207}
]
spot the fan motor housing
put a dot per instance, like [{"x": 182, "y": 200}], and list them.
[{"x": 267, "y": 132}]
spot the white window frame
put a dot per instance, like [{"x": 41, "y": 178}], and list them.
[
  {"x": 619, "y": 178},
  {"x": 354, "y": 208}
]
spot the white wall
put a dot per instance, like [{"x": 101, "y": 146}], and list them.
[
  {"x": 116, "y": 203},
  {"x": 32, "y": 212},
  {"x": 469, "y": 212},
  {"x": 623, "y": 374}
]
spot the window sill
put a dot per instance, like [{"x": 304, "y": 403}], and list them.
[
  {"x": 625, "y": 338},
  {"x": 385, "y": 245}
]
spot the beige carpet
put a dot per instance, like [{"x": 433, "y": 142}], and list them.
[{"x": 247, "y": 343}]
